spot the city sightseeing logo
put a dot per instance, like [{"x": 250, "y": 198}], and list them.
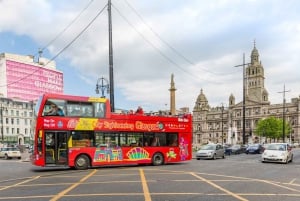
[{"x": 160, "y": 126}]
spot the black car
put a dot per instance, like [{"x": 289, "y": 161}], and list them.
[
  {"x": 234, "y": 149},
  {"x": 254, "y": 149}
]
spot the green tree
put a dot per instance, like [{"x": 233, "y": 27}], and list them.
[
  {"x": 271, "y": 127},
  {"x": 287, "y": 128}
]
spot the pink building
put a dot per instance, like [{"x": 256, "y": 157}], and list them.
[{"x": 21, "y": 77}]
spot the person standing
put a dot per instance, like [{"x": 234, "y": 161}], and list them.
[{"x": 139, "y": 110}]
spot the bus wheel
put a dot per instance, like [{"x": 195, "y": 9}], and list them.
[
  {"x": 82, "y": 162},
  {"x": 157, "y": 159}
]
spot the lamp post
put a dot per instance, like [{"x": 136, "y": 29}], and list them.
[
  {"x": 2, "y": 122},
  {"x": 102, "y": 84},
  {"x": 244, "y": 96},
  {"x": 111, "y": 69},
  {"x": 283, "y": 113},
  {"x": 222, "y": 124}
]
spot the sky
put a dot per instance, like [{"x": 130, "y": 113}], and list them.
[{"x": 198, "y": 41}]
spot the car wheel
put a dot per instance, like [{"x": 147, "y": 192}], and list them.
[
  {"x": 157, "y": 159},
  {"x": 223, "y": 156},
  {"x": 215, "y": 157},
  {"x": 82, "y": 162},
  {"x": 6, "y": 157},
  {"x": 287, "y": 160},
  {"x": 291, "y": 158}
]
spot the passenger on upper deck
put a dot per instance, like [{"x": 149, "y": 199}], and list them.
[
  {"x": 139, "y": 110},
  {"x": 55, "y": 111}
]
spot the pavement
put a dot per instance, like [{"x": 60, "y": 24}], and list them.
[{"x": 25, "y": 156}]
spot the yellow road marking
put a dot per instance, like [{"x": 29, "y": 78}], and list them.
[
  {"x": 137, "y": 194},
  {"x": 17, "y": 184},
  {"x": 292, "y": 181},
  {"x": 62, "y": 193},
  {"x": 219, "y": 187},
  {"x": 145, "y": 186},
  {"x": 274, "y": 184}
]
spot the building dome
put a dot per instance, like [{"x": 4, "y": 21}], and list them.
[
  {"x": 201, "y": 102},
  {"x": 201, "y": 97}
]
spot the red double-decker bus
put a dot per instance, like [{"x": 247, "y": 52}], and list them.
[{"x": 81, "y": 132}]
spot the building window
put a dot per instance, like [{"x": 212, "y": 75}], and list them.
[
  {"x": 12, "y": 121},
  {"x": 18, "y": 130},
  {"x": 12, "y": 130},
  {"x": 25, "y": 114},
  {"x": 18, "y": 121},
  {"x": 25, "y": 131},
  {"x": 6, "y": 120},
  {"x": 17, "y": 113}
]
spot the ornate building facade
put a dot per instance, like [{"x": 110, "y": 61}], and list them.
[{"x": 229, "y": 125}]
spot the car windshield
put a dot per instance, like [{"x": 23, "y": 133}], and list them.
[
  {"x": 208, "y": 147},
  {"x": 10, "y": 149},
  {"x": 280, "y": 147},
  {"x": 254, "y": 146}
]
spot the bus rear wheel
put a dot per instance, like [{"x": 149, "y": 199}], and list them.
[
  {"x": 82, "y": 162},
  {"x": 157, "y": 159}
]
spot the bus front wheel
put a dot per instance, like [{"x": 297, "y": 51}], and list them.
[
  {"x": 157, "y": 159},
  {"x": 82, "y": 162}
]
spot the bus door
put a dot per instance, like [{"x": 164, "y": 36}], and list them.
[{"x": 56, "y": 148}]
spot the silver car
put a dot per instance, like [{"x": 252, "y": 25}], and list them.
[{"x": 211, "y": 151}]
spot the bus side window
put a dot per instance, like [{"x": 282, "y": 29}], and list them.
[
  {"x": 172, "y": 139},
  {"x": 99, "y": 109},
  {"x": 155, "y": 142}
]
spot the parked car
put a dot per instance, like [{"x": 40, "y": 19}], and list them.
[
  {"x": 254, "y": 149},
  {"x": 265, "y": 146},
  {"x": 277, "y": 152},
  {"x": 234, "y": 149},
  {"x": 10, "y": 152},
  {"x": 227, "y": 149},
  {"x": 210, "y": 151}
]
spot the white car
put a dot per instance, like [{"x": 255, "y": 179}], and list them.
[
  {"x": 277, "y": 152},
  {"x": 10, "y": 152}
]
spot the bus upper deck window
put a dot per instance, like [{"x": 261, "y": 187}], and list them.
[{"x": 99, "y": 110}]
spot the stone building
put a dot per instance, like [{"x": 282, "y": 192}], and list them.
[
  {"x": 16, "y": 118},
  {"x": 225, "y": 124}
]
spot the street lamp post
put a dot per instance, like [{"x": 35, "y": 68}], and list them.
[
  {"x": 102, "y": 86},
  {"x": 283, "y": 113},
  {"x": 111, "y": 69},
  {"x": 222, "y": 125},
  {"x": 244, "y": 97},
  {"x": 2, "y": 122}
]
